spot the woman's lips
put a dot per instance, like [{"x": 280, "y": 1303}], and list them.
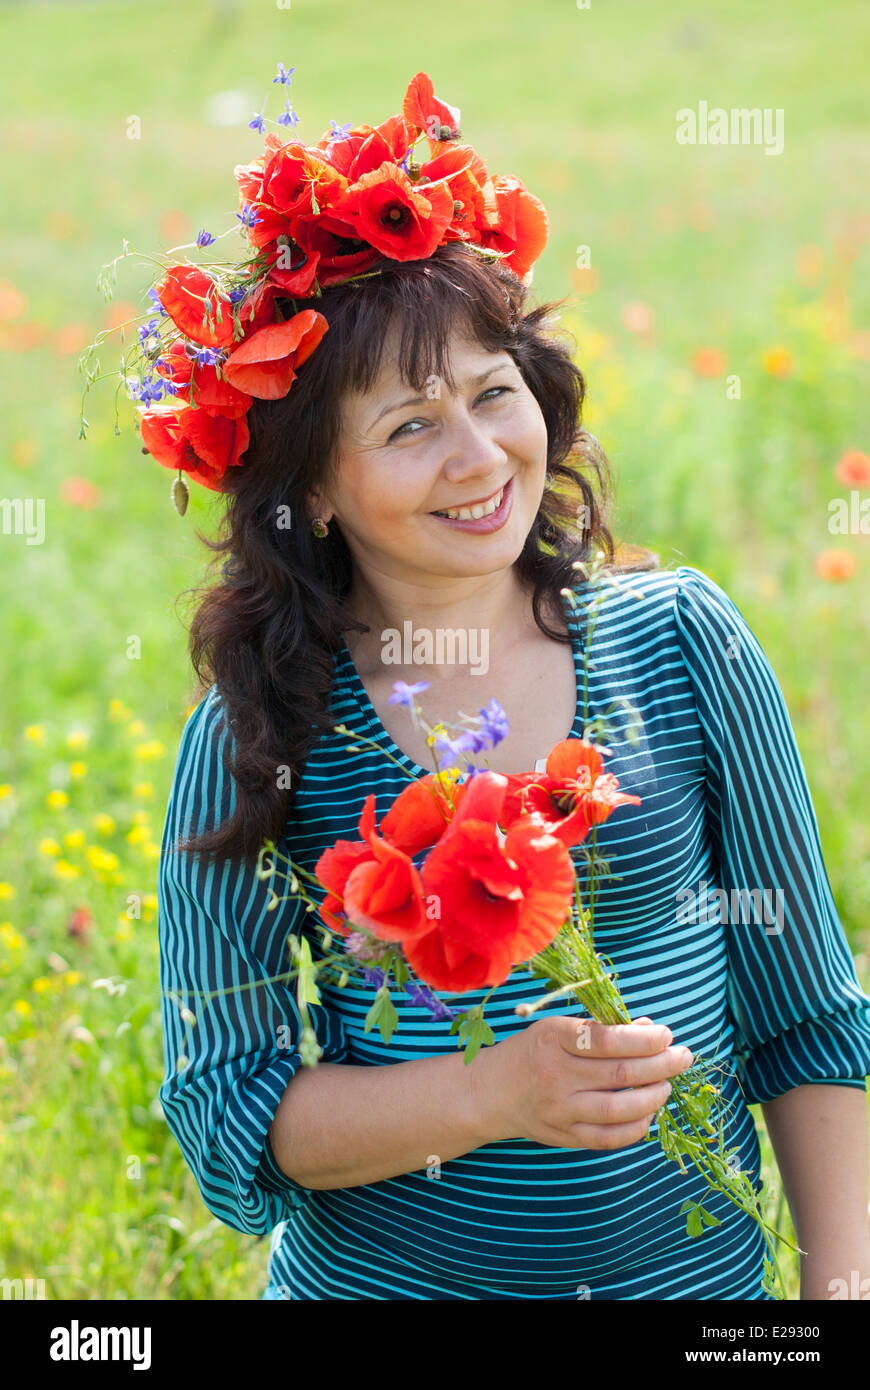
[{"x": 493, "y": 522}]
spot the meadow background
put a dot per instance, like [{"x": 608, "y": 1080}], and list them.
[{"x": 703, "y": 262}]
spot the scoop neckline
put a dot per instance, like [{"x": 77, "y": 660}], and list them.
[{"x": 378, "y": 731}]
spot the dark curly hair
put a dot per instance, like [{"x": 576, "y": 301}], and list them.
[{"x": 267, "y": 631}]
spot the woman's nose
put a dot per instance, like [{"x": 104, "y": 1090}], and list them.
[{"x": 470, "y": 446}]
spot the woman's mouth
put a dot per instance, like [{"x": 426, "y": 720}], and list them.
[{"x": 484, "y": 516}]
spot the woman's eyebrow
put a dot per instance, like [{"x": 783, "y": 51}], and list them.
[{"x": 418, "y": 400}]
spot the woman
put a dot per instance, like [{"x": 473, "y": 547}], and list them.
[{"x": 400, "y": 1172}]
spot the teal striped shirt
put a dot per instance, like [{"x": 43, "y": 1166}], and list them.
[{"x": 718, "y": 917}]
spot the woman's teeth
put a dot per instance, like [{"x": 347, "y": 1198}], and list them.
[{"x": 474, "y": 513}]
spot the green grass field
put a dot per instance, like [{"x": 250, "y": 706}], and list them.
[{"x": 701, "y": 264}]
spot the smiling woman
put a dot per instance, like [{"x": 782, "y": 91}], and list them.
[{"x": 432, "y": 463}]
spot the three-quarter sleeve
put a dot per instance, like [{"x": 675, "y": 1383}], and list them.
[
  {"x": 225, "y": 1075},
  {"x": 799, "y": 1012}
]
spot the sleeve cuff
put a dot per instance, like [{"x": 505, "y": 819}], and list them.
[
  {"x": 272, "y": 1177},
  {"x": 834, "y": 1049}
]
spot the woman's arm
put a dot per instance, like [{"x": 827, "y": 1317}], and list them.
[
  {"x": 344, "y": 1126},
  {"x": 819, "y": 1136}
]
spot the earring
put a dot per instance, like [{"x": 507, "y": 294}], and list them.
[{"x": 319, "y": 527}]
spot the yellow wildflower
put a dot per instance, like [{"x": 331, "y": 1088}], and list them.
[
  {"x": 141, "y": 817},
  {"x": 77, "y": 738},
  {"x": 118, "y": 710},
  {"x": 143, "y": 790},
  {"x": 41, "y": 985},
  {"x": 137, "y": 834},
  {"x": 78, "y": 770},
  {"x": 5, "y": 790},
  {"x": 778, "y": 361},
  {"x": 151, "y": 850},
  {"x": 7, "y": 890},
  {"x": 152, "y": 749},
  {"x": 22, "y": 1007},
  {"x": 124, "y": 930},
  {"x": 35, "y": 733},
  {"x": 101, "y": 859},
  {"x": 49, "y": 847},
  {"x": 136, "y": 728},
  {"x": 11, "y": 939},
  {"x": 64, "y": 869},
  {"x": 74, "y": 839},
  {"x": 56, "y": 800},
  {"x": 72, "y": 977},
  {"x": 104, "y": 823}
]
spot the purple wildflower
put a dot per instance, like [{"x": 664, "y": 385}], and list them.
[
  {"x": 423, "y": 997},
  {"x": 204, "y": 238},
  {"x": 494, "y": 724},
  {"x": 155, "y": 300},
  {"x": 403, "y": 694},
  {"x": 288, "y": 116},
  {"x": 247, "y": 216},
  {"x": 206, "y": 357},
  {"x": 257, "y": 122},
  {"x": 340, "y": 132},
  {"x": 285, "y": 75},
  {"x": 373, "y": 977},
  {"x": 147, "y": 331},
  {"x": 450, "y": 750}
]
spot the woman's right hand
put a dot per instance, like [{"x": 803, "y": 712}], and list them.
[{"x": 565, "y": 1081}]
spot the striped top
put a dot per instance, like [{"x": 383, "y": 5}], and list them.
[{"x": 718, "y": 917}]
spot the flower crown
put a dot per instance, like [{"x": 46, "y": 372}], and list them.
[{"x": 224, "y": 333}]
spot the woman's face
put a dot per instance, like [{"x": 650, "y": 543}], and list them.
[{"x": 404, "y": 457}]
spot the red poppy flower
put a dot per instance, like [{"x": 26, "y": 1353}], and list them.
[
  {"x": 400, "y": 219},
  {"x": 425, "y": 112},
  {"x": 384, "y": 894},
  {"x": 296, "y": 180},
  {"x": 189, "y": 296},
  {"x": 202, "y": 445},
  {"x": 373, "y": 883},
  {"x": 572, "y": 794},
  {"x": 420, "y": 814},
  {"x": 201, "y": 386},
  {"x": 464, "y": 173},
  {"x": 333, "y": 869},
  {"x": 366, "y": 147},
  {"x": 292, "y": 269},
  {"x": 265, "y": 364},
  {"x": 516, "y": 221},
  {"x": 501, "y": 899},
  {"x": 341, "y": 252}
]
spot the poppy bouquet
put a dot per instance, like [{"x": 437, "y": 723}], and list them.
[
  {"x": 495, "y": 890},
  {"x": 216, "y": 335}
]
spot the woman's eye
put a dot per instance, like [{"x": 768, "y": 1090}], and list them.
[{"x": 397, "y": 433}]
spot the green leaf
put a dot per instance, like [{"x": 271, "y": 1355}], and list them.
[
  {"x": 474, "y": 1032},
  {"x": 382, "y": 1015},
  {"x": 708, "y": 1218},
  {"x": 693, "y": 1222}
]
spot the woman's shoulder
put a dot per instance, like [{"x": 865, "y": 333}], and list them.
[{"x": 650, "y": 594}]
